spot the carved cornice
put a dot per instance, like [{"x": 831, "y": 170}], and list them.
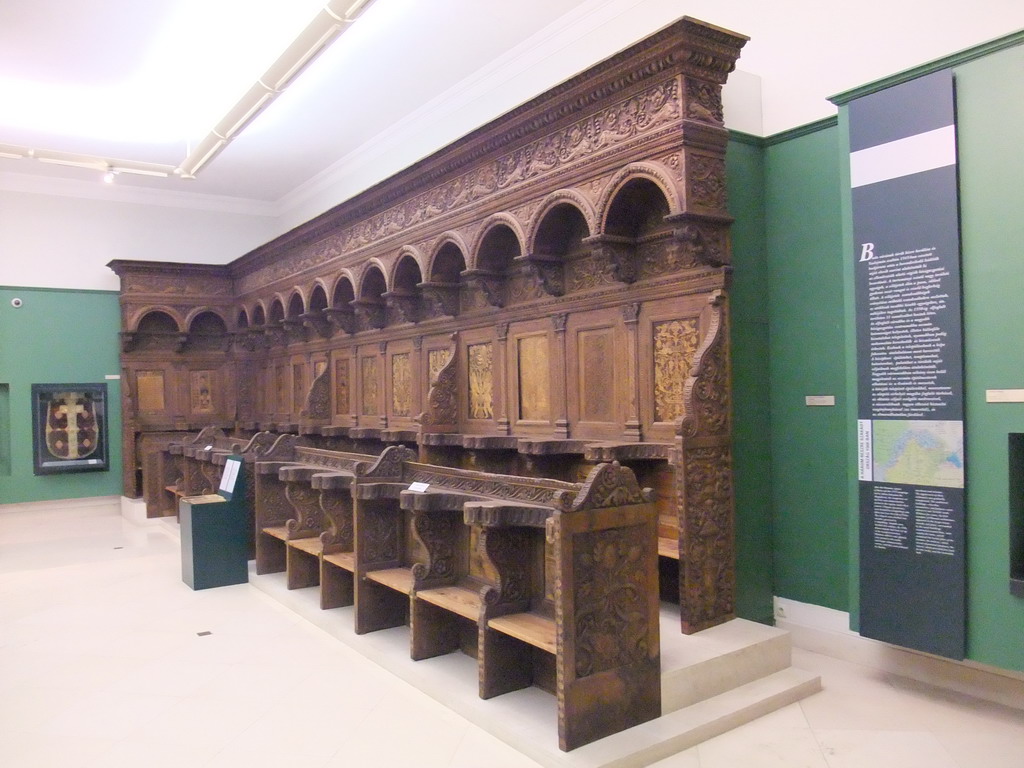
[{"x": 700, "y": 51}]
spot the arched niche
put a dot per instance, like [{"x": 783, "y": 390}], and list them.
[
  {"x": 207, "y": 331},
  {"x": 341, "y": 312},
  {"x": 442, "y": 290},
  {"x": 635, "y": 228},
  {"x": 259, "y": 316},
  {"x": 369, "y": 306},
  {"x": 242, "y": 320},
  {"x": 495, "y": 256},
  {"x": 294, "y": 324},
  {"x": 561, "y": 234},
  {"x": 314, "y": 317},
  {"x": 156, "y": 330},
  {"x": 403, "y": 300}
]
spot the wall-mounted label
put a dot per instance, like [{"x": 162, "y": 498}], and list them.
[
  {"x": 419, "y": 487},
  {"x": 820, "y": 400},
  {"x": 113, "y": 377},
  {"x": 1004, "y": 395}
]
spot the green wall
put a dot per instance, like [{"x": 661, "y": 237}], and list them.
[
  {"x": 749, "y": 339},
  {"x": 990, "y": 134},
  {"x": 803, "y": 236},
  {"x": 811, "y": 349},
  {"x": 56, "y": 336}
]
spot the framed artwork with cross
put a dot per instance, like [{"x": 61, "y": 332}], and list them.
[{"x": 69, "y": 428}]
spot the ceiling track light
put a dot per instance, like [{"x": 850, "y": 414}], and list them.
[{"x": 330, "y": 22}]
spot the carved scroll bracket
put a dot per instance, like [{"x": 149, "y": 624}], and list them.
[
  {"x": 618, "y": 251},
  {"x": 404, "y": 307},
  {"x": 341, "y": 319},
  {"x": 294, "y": 329},
  {"x": 702, "y": 240},
  {"x": 318, "y": 323},
  {"x": 548, "y": 270},
  {"x": 491, "y": 283},
  {"x": 441, "y": 298},
  {"x": 370, "y": 313}
]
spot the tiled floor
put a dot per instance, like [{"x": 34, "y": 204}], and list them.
[{"x": 102, "y": 664}]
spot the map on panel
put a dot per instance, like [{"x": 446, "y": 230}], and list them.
[{"x": 919, "y": 452}]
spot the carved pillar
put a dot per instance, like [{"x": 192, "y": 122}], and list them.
[
  {"x": 500, "y": 373},
  {"x": 382, "y": 389},
  {"x": 707, "y": 569},
  {"x": 559, "y": 386},
  {"x": 630, "y": 317},
  {"x": 417, "y": 373}
]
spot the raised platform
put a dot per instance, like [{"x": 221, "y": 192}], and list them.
[{"x": 711, "y": 682}]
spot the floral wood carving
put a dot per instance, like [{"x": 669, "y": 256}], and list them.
[
  {"x": 707, "y": 579},
  {"x": 337, "y": 509},
  {"x": 379, "y": 537},
  {"x": 436, "y": 532},
  {"x": 504, "y": 548},
  {"x": 309, "y": 518},
  {"x": 612, "y": 626},
  {"x": 649, "y": 110},
  {"x": 318, "y": 399},
  {"x": 611, "y": 485},
  {"x": 443, "y": 396}
]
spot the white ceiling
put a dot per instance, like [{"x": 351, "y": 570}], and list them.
[{"x": 145, "y": 79}]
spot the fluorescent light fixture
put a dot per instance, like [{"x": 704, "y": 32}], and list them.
[
  {"x": 329, "y": 23},
  {"x": 324, "y": 29}
]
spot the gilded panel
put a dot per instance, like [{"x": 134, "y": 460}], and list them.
[
  {"x": 201, "y": 389},
  {"x": 534, "y": 378},
  {"x": 436, "y": 360},
  {"x": 369, "y": 376},
  {"x": 282, "y": 388},
  {"x": 481, "y": 381},
  {"x": 597, "y": 375},
  {"x": 675, "y": 343},
  {"x": 298, "y": 386},
  {"x": 150, "y": 388},
  {"x": 401, "y": 385},
  {"x": 342, "y": 402}
]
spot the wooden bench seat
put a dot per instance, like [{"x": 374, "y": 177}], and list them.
[
  {"x": 509, "y": 569},
  {"x": 532, "y": 628}
]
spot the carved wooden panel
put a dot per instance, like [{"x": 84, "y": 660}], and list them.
[
  {"x": 534, "y": 378},
  {"x": 281, "y": 392},
  {"x": 480, "y": 365},
  {"x": 401, "y": 385},
  {"x": 149, "y": 388},
  {"x": 298, "y": 386},
  {"x": 611, "y": 580},
  {"x": 675, "y": 342},
  {"x": 342, "y": 389},
  {"x": 436, "y": 360},
  {"x": 596, "y": 350},
  {"x": 368, "y": 385},
  {"x": 201, "y": 389}
]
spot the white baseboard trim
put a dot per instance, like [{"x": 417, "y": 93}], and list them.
[
  {"x": 826, "y": 631},
  {"x": 41, "y": 506}
]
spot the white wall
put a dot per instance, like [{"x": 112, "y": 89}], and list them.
[{"x": 60, "y": 241}]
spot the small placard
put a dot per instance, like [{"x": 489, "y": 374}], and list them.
[
  {"x": 1004, "y": 395},
  {"x": 820, "y": 400},
  {"x": 113, "y": 377},
  {"x": 227, "y": 480},
  {"x": 208, "y": 448},
  {"x": 419, "y": 487}
]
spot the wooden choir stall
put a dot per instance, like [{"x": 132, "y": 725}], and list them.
[{"x": 489, "y": 397}]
